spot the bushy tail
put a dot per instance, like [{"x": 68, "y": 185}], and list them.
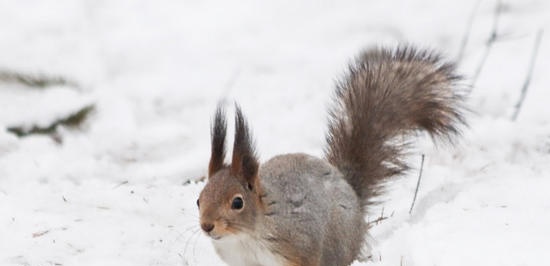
[{"x": 387, "y": 95}]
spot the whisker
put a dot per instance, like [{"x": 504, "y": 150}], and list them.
[
  {"x": 189, "y": 228},
  {"x": 177, "y": 235},
  {"x": 195, "y": 249},
  {"x": 193, "y": 233}
]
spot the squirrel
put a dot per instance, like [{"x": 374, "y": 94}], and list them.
[{"x": 297, "y": 209}]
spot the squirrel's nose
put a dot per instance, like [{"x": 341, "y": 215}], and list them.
[{"x": 207, "y": 227}]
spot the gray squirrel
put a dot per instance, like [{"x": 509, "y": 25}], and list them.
[{"x": 297, "y": 209}]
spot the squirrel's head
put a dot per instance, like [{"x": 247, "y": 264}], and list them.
[{"x": 229, "y": 202}]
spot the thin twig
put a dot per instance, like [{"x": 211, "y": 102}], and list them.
[
  {"x": 492, "y": 39},
  {"x": 73, "y": 120},
  {"x": 39, "y": 234},
  {"x": 417, "y": 184},
  {"x": 35, "y": 80},
  {"x": 466, "y": 35},
  {"x": 379, "y": 219},
  {"x": 529, "y": 74},
  {"x": 121, "y": 184},
  {"x": 230, "y": 84}
]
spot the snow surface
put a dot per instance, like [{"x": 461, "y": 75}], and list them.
[{"x": 122, "y": 190}]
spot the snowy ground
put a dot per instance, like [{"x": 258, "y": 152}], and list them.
[{"x": 117, "y": 191}]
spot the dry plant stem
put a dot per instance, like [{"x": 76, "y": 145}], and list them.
[
  {"x": 529, "y": 75},
  {"x": 73, "y": 120},
  {"x": 492, "y": 39},
  {"x": 466, "y": 35},
  {"x": 417, "y": 184},
  {"x": 377, "y": 220},
  {"x": 230, "y": 84},
  {"x": 35, "y": 80}
]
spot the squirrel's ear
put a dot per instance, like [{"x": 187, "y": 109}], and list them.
[
  {"x": 244, "y": 163},
  {"x": 218, "y": 132}
]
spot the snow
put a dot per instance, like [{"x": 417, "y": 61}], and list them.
[{"x": 121, "y": 190}]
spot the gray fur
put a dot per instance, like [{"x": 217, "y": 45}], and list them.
[{"x": 311, "y": 205}]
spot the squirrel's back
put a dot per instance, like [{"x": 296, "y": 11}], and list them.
[
  {"x": 302, "y": 194},
  {"x": 296, "y": 209}
]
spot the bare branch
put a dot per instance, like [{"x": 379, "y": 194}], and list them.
[
  {"x": 230, "y": 84},
  {"x": 492, "y": 39},
  {"x": 417, "y": 183},
  {"x": 35, "y": 80},
  {"x": 73, "y": 120},
  {"x": 466, "y": 35},
  {"x": 379, "y": 219},
  {"x": 527, "y": 81}
]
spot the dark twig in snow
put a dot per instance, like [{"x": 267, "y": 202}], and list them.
[
  {"x": 529, "y": 74},
  {"x": 39, "y": 234},
  {"x": 417, "y": 184},
  {"x": 466, "y": 35},
  {"x": 121, "y": 184},
  {"x": 35, "y": 80},
  {"x": 492, "y": 39},
  {"x": 379, "y": 219},
  {"x": 73, "y": 120}
]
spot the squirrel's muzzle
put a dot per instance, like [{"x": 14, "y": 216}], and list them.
[{"x": 207, "y": 227}]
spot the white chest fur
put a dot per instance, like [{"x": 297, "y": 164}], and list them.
[{"x": 243, "y": 250}]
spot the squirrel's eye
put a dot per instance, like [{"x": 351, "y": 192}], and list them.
[
  {"x": 198, "y": 205},
  {"x": 237, "y": 203}
]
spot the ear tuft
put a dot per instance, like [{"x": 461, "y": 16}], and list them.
[
  {"x": 218, "y": 132},
  {"x": 244, "y": 162}
]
